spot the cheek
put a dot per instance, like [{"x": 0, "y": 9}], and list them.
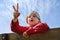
[
  {"x": 36, "y": 20},
  {"x": 28, "y": 19}
]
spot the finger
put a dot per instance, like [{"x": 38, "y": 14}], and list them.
[
  {"x": 17, "y": 7},
  {"x": 14, "y": 8}
]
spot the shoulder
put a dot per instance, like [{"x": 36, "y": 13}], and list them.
[{"x": 42, "y": 23}]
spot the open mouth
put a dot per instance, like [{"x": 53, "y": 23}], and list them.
[{"x": 31, "y": 20}]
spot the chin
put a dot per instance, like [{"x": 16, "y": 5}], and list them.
[{"x": 33, "y": 23}]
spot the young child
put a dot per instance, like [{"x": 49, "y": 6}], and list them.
[{"x": 33, "y": 19}]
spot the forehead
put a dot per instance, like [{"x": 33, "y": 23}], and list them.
[{"x": 32, "y": 14}]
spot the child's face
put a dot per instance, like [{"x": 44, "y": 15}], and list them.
[{"x": 32, "y": 19}]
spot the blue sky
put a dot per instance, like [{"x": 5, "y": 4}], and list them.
[{"x": 49, "y": 11}]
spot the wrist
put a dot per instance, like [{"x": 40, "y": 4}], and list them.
[{"x": 15, "y": 19}]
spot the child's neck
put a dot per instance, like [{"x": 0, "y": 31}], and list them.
[{"x": 34, "y": 24}]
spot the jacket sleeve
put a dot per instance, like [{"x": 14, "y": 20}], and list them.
[
  {"x": 15, "y": 27},
  {"x": 40, "y": 28}
]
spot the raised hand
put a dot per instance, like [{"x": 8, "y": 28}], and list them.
[{"x": 16, "y": 13}]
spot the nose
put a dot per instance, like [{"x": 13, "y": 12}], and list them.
[{"x": 31, "y": 17}]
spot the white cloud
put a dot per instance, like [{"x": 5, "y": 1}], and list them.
[
  {"x": 1, "y": 5},
  {"x": 14, "y": 1},
  {"x": 26, "y": 0},
  {"x": 47, "y": 6}
]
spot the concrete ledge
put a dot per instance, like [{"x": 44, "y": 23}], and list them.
[{"x": 52, "y": 34}]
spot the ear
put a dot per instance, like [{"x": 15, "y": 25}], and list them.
[{"x": 27, "y": 19}]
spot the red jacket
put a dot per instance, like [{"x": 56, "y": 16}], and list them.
[{"x": 39, "y": 28}]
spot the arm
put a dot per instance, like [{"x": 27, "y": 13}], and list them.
[{"x": 15, "y": 27}]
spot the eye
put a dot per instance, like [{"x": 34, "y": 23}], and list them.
[
  {"x": 34, "y": 16},
  {"x": 29, "y": 16}
]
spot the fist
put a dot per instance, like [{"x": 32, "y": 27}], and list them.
[{"x": 25, "y": 35}]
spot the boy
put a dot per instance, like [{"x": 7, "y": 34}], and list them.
[{"x": 33, "y": 19}]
